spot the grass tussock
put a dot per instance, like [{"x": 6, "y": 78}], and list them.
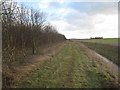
[{"x": 69, "y": 68}]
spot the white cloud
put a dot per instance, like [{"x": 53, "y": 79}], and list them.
[
  {"x": 74, "y": 23},
  {"x": 104, "y": 25},
  {"x": 69, "y": 0},
  {"x": 61, "y": 1},
  {"x": 61, "y": 25},
  {"x": 62, "y": 10},
  {"x": 105, "y": 8},
  {"x": 44, "y": 3},
  {"x": 108, "y": 28}
]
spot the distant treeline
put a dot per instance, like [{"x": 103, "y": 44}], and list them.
[
  {"x": 25, "y": 29},
  {"x": 96, "y": 38}
]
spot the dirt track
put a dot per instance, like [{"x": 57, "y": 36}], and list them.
[
  {"x": 18, "y": 70},
  {"x": 21, "y": 70}
]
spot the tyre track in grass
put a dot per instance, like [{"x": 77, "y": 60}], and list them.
[{"x": 72, "y": 67}]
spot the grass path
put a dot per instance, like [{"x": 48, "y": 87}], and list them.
[{"x": 69, "y": 68}]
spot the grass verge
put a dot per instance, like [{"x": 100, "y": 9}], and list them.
[{"x": 69, "y": 68}]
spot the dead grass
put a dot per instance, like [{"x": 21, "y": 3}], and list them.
[
  {"x": 72, "y": 67},
  {"x": 13, "y": 72},
  {"x": 103, "y": 66}
]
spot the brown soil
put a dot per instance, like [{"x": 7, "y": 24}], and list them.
[
  {"x": 13, "y": 72},
  {"x": 112, "y": 44}
]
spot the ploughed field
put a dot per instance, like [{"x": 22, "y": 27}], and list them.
[
  {"x": 74, "y": 66},
  {"x": 110, "y": 41},
  {"x": 106, "y": 47}
]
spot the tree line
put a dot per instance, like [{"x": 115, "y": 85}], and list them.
[{"x": 25, "y": 30}]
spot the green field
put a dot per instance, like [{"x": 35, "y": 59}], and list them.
[
  {"x": 69, "y": 68},
  {"x": 113, "y": 41},
  {"x": 106, "y": 47}
]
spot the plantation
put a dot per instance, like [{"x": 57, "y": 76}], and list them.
[{"x": 36, "y": 55}]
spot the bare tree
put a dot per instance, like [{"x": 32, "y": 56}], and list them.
[{"x": 25, "y": 29}]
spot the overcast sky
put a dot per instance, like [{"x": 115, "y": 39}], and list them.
[{"x": 81, "y": 19}]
